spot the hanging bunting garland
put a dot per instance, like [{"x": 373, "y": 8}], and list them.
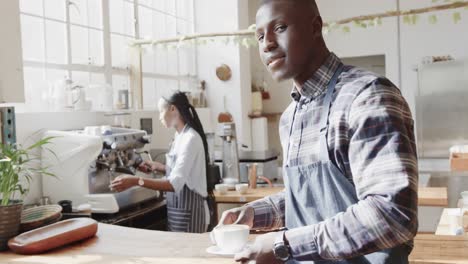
[{"x": 246, "y": 38}]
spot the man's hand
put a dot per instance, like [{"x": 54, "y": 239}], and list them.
[
  {"x": 123, "y": 182},
  {"x": 261, "y": 251},
  {"x": 242, "y": 215}
]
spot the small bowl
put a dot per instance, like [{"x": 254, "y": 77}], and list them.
[
  {"x": 231, "y": 183},
  {"x": 221, "y": 188},
  {"x": 464, "y": 195},
  {"x": 242, "y": 188},
  {"x": 39, "y": 216}
]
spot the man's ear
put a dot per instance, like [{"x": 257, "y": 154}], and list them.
[{"x": 317, "y": 27}]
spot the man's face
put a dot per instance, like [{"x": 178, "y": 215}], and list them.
[{"x": 287, "y": 35}]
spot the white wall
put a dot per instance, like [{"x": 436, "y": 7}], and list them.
[
  {"x": 424, "y": 39},
  {"x": 11, "y": 64},
  {"x": 222, "y": 16}
]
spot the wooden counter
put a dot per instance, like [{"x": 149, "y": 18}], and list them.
[
  {"x": 432, "y": 196},
  {"x": 443, "y": 228},
  {"x": 119, "y": 245},
  {"x": 427, "y": 196},
  {"x": 250, "y": 196}
]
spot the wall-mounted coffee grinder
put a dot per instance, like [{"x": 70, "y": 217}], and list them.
[{"x": 227, "y": 131}]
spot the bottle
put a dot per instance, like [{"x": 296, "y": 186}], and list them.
[{"x": 253, "y": 176}]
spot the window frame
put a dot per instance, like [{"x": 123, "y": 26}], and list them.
[{"x": 107, "y": 69}]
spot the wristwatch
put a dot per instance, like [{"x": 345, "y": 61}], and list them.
[
  {"x": 281, "y": 249},
  {"x": 141, "y": 182}
]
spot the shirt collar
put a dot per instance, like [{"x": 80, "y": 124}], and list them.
[
  {"x": 317, "y": 84},
  {"x": 186, "y": 127}
]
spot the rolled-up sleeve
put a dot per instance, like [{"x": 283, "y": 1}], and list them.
[
  {"x": 383, "y": 163},
  {"x": 269, "y": 212}
]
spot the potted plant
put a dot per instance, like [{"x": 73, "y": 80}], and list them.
[{"x": 18, "y": 166}]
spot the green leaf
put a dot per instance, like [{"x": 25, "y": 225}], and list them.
[
  {"x": 406, "y": 20},
  {"x": 16, "y": 165},
  {"x": 433, "y": 19},
  {"x": 346, "y": 29},
  {"x": 378, "y": 21},
  {"x": 414, "y": 19},
  {"x": 456, "y": 17}
]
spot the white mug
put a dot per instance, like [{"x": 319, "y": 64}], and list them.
[
  {"x": 230, "y": 238},
  {"x": 242, "y": 188}
]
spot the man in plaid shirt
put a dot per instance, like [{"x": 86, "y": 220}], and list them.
[{"x": 350, "y": 163}]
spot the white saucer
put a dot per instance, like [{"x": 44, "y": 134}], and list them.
[{"x": 217, "y": 251}]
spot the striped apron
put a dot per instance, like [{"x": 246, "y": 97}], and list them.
[
  {"x": 186, "y": 210},
  {"x": 319, "y": 191}
]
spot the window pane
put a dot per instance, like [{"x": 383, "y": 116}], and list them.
[
  {"x": 184, "y": 67},
  {"x": 32, "y": 34},
  {"x": 145, "y": 3},
  {"x": 95, "y": 13},
  {"x": 121, "y": 17},
  {"x": 55, "y": 74},
  {"x": 97, "y": 78},
  {"x": 172, "y": 62},
  {"x": 145, "y": 22},
  {"x": 79, "y": 39},
  {"x": 161, "y": 61},
  {"x": 119, "y": 47},
  {"x": 79, "y": 12},
  {"x": 119, "y": 83},
  {"x": 183, "y": 9},
  {"x": 147, "y": 62},
  {"x": 31, "y": 6},
  {"x": 56, "y": 42},
  {"x": 80, "y": 78},
  {"x": 129, "y": 19},
  {"x": 149, "y": 94},
  {"x": 55, "y": 9},
  {"x": 96, "y": 47},
  {"x": 170, "y": 7},
  {"x": 159, "y": 25},
  {"x": 170, "y": 27},
  {"x": 35, "y": 87},
  {"x": 182, "y": 27},
  {"x": 158, "y": 5}
]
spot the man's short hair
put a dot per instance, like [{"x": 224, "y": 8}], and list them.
[{"x": 312, "y": 4}]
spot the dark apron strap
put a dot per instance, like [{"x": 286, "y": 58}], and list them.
[{"x": 323, "y": 151}]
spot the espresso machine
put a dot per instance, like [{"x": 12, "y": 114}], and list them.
[
  {"x": 85, "y": 162},
  {"x": 230, "y": 165}
]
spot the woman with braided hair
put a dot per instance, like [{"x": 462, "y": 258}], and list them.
[{"x": 185, "y": 168}]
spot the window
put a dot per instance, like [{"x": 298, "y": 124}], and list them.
[
  {"x": 165, "y": 68},
  {"x": 87, "y": 40}
]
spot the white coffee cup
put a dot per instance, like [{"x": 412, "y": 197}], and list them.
[
  {"x": 242, "y": 188},
  {"x": 230, "y": 238},
  {"x": 221, "y": 188},
  {"x": 464, "y": 196}
]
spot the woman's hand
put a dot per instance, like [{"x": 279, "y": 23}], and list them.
[
  {"x": 123, "y": 182},
  {"x": 149, "y": 166},
  {"x": 242, "y": 215}
]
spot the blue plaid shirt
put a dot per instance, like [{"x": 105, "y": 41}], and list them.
[{"x": 371, "y": 140}]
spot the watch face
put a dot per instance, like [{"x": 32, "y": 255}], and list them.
[
  {"x": 141, "y": 182},
  {"x": 281, "y": 252}
]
